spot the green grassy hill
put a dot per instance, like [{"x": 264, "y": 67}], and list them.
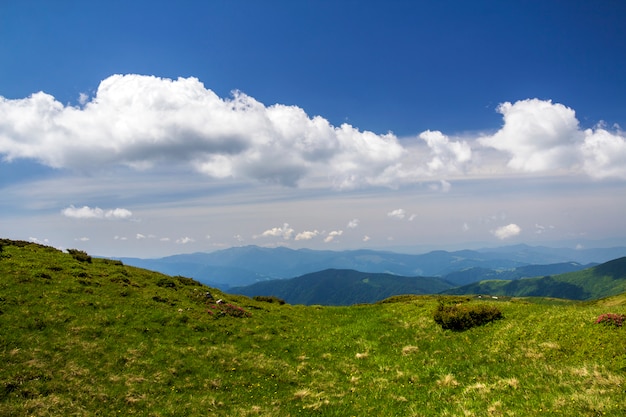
[
  {"x": 93, "y": 337},
  {"x": 592, "y": 283},
  {"x": 343, "y": 287}
]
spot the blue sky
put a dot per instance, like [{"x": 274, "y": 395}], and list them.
[{"x": 150, "y": 128}]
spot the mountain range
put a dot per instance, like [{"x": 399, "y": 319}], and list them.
[
  {"x": 246, "y": 265},
  {"x": 343, "y": 287}
]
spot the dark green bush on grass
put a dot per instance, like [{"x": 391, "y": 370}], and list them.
[
  {"x": 269, "y": 299},
  {"x": 463, "y": 316},
  {"x": 187, "y": 281},
  {"x": 166, "y": 283},
  {"x": 79, "y": 255}
]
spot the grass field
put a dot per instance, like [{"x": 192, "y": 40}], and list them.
[{"x": 80, "y": 338}]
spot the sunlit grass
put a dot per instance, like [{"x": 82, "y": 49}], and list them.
[{"x": 99, "y": 338}]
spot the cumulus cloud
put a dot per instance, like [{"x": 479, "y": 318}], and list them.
[
  {"x": 604, "y": 153},
  {"x": 538, "y": 135},
  {"x": 286, "y": 232},
  {"x": 445, "y": 154},
  {"x": 508, "y": 231},
  {"x": 353, "y": 224},
  {"x": 87, "y": 212},
  {"x": 145, "y": 122},
  {"x": 397, "y": 214},
  {"x": 332, "y": 235},
  {"x": 140, "y": 121},
  {"x": 307, "y": 235}
]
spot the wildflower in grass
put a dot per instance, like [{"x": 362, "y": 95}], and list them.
[
  {"x": 611, "y": 319},
  {"x": 224, "y": 309}
]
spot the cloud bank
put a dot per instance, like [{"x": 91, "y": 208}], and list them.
[
  {"x": 145, "y": 122},
  {"x": 87, "y": 212}
]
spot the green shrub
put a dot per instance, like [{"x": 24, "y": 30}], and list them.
[
  {"x": 269, "y": 299},
  {"x": 187, "y": 281},
  {"x": 79, "y": 255},
  {"x": 166, "y": 283},
  {"x": 115, "y": 262},
  {"x": 464, "y": 316}
]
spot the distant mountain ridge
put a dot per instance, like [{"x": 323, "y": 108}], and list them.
[
  {"x": 245, "y": 265},
  {"x": 343, "y": 287}
]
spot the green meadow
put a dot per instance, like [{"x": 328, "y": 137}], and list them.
[{"x": 82, "y": 336}]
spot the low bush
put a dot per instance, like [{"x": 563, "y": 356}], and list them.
[
  {"x": 269, "y": 299},
  {"x": 611, "y": 319},
  {"x": 464, "y": 316},
  {"x": 166, "y": 283},
  {"x": 115, "y": 262},
  {"x": 79, "y": 255},
  {"x": 187, "y": 281}
]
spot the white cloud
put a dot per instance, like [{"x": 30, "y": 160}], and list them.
[
  {"x": 139, "y": 236},
  {"x": 286, "y": 232},
  {"x": 83, "y": 99},
  {"x": 397, "y": 214},
  {"x": 366, "y": 238},
  {"x": 307, "y": 235},
  {"x": 446, "y": 155},
  {"x": 353, "y": 224},
  {"x": 538, "y": 135},
  {"x": 508, "y": 231},
  {"x": 179, "y": 125},
  {"x": 604, "y": 153},
  {"x": 185, "y": 240},
  {"x": 332, "y": 235},
  {"x": 87, "y": 212},
  {"x": 118, "y": 213},
  {"x": 140, "y": 121},
  {"x": 82, "y": 239},
  {"x": 146, "y": 122}
]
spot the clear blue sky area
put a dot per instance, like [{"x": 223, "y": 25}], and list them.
[{"x": 404, "y": 66}]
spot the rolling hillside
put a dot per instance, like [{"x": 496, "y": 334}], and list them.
[
  {"x": 592, "y": 283},
  {"x": 96, "y": 337},
  {"x": 343, "y": 287},
  {"x": 470, "y": 275}
]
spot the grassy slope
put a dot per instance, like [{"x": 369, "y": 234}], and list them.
[
  {"x": 600, "y": 281},
  {"x": 104, "y": 339}
]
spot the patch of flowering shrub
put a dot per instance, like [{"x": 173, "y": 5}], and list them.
[
  {"x": 225, "y": 309},
  {"x": 611, "y": 319}
]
